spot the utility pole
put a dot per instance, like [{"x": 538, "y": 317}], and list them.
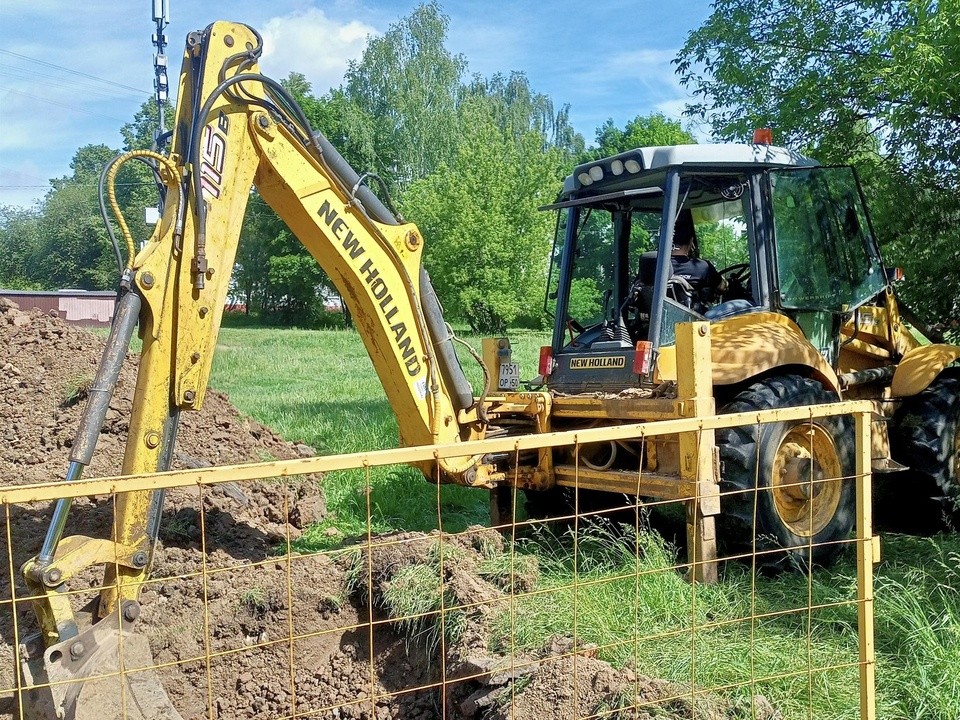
[{"x": 161, "y": 16}]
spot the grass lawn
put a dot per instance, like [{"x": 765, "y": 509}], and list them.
[{"x": 320, "y": 387}]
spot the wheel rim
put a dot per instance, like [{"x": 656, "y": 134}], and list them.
[{"x": 806, "y": 479}]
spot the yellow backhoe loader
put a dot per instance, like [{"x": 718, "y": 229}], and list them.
[{"x": 809, "y": 316}]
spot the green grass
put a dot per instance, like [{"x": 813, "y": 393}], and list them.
[
  {"x": 320, "y": 387},
  {"x": 684, "y": 631}
]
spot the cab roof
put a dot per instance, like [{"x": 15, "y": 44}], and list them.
[{"x": 646, "y": 166}]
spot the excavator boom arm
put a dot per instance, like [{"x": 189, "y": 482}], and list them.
[{"x": 236, "y": 129}]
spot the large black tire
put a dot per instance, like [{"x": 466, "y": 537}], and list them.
[
  {"x": 796, "y": 525},
  {"x": 926, "y": 438}
]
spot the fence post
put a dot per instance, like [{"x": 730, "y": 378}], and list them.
[
  {"x": 697, "y": 466},
  {"x": 865, "y": 560}
]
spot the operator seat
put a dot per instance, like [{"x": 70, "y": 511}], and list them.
[
  {"x": 680, "y": 291},
  {"x": 677, "y": 288}
]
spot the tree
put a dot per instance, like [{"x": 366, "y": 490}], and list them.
[
  {"x": 407, "y": 83},
  {"x": 871, "y": 82},
  {"x": 339, "y": 119},
  {"x": 827, "y": 72},
  {"x": 274, "y": 274},
  {"x": 18, "y": 242},
  {"x": 140, "y": 132},
  {"x": 488, "y": 244},
  {"x": 72, "y": 248},
  {"x": 643, "y": 131},
  {"x": 62, "y": 243},
  {"x": 517, "y": 109}
]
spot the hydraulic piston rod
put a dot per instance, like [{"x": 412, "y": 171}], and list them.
[{"x": 98, "y": 402}]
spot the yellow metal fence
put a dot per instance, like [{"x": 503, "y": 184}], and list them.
[{"x": 251, "y": 613}]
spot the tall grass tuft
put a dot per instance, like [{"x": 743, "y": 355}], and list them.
[{"x": 918, "y": 628}]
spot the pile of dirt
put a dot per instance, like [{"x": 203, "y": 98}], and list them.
[
  {"x": 255, "y": 598},
  {"x": 45, "y": 368}
]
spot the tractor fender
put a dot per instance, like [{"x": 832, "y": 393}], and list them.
[
  {"x": 920, "y": 366},
  {"x": 744, "y": 346}
]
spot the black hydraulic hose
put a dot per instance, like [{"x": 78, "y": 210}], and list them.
[
  {"x": 199, "y": 261},
  {"x": 450, "y": 368},
  {"x": 335, "y": 161},
  {"x": 106, "y": 219}
]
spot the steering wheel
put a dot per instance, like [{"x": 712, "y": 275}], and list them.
[{"x": 738, "y": 280}]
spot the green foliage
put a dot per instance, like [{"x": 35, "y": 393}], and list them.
[
  {"x": 518, "y": 109},
  {"x": 71, "y": 247},
  {"x": 77, "y": 388},
  {"x": 870, "y": 82},
  {"x": 140, "y": 132},
  {"x": 586, "y": 300},
  {"x": 416, "y": 596},
  {"x": 406, "y": 84},
  {"x": 344, "y": 123},
  {"x": 488, "y": 242},
  {"x": 918, "y": 627},
  {"x": 254, "y": 601},
  {"x": 643, "y": 131},
  {"x": 720, "y": 244},
  {"x": 62, "y": 242},
  {"x": 19, "y": 230},
  {"x": 275, "y": 275}
]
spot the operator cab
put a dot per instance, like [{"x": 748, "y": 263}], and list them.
[{"x": 613, "y": 280}]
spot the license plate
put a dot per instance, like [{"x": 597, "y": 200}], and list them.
[{"x": 509, "y": 376}]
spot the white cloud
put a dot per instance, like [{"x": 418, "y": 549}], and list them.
[
  {"x": 309, "y": 42},
  {"x": 649, "y": 70}
]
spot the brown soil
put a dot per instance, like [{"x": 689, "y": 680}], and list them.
[{"x": 250, "y": 587}]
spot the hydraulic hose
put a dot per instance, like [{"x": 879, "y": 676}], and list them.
[
  {"x": 450, "y": 368},
  {"x": 172, "y": 180}
]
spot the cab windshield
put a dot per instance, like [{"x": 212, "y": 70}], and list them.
[
  {"x": 615, "y": 249},
  {"x": 827, "y": 258}
]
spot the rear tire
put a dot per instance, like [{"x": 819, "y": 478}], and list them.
[
  {"x": 776, "y": 458},
  {"x": 926, "y": 438}
]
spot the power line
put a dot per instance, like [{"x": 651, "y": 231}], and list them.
[
  {"x": 68, "y": 107},
  {"x": 53, "y": 80},
  {"x": 144, "y": 183},
  {"x": 139, "y": 91}
]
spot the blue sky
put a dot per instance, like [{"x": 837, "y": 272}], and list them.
[{"x": 607, "y": 59}]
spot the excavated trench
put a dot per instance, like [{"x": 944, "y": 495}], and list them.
[{"x": 241, "y": 617}]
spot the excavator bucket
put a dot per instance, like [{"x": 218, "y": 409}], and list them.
[{"x": 103, "y": 673}]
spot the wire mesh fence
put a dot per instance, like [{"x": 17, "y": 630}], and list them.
[{"x": 573, "y": 603}]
